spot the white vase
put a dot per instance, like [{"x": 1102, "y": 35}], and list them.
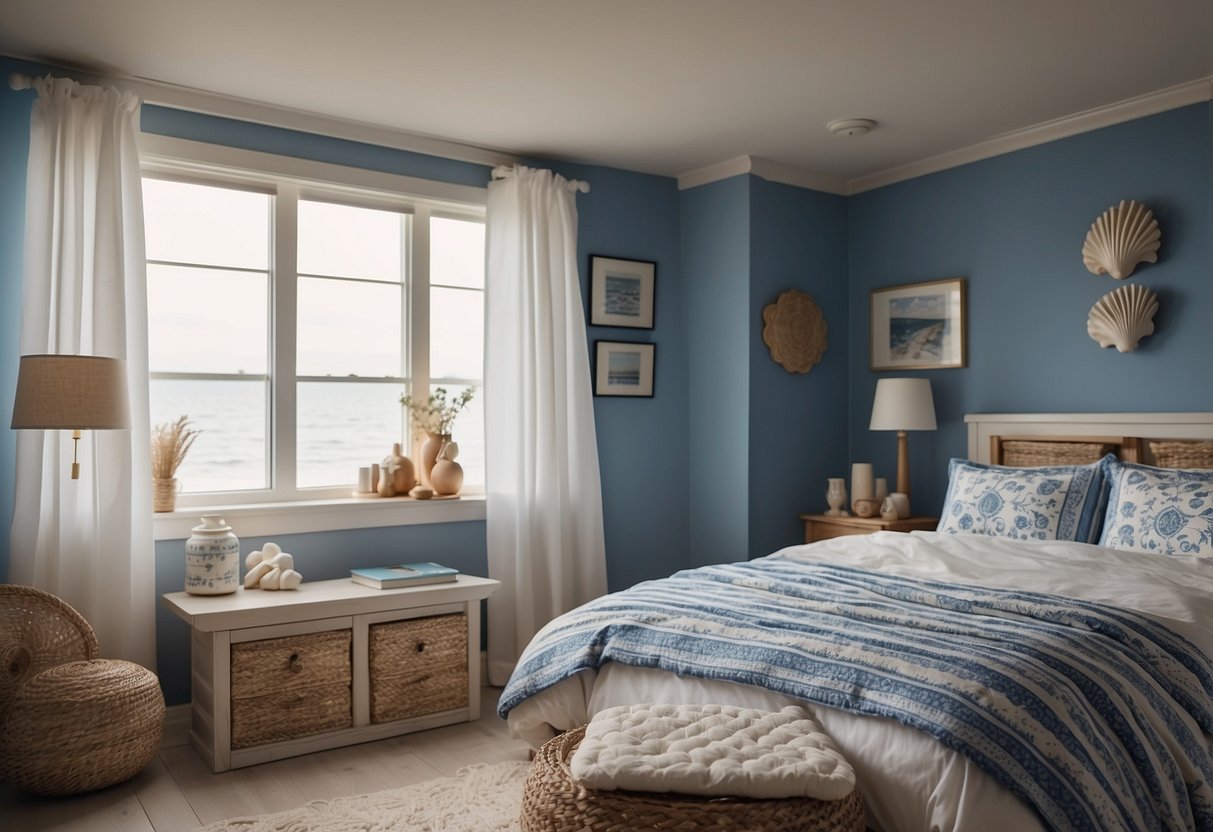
[
  {"x": 836, "y": 495},
  {"x": 212, "y": 558}
]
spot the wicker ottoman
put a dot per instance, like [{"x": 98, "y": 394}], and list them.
[
  {"x": 552, "y": 802},
  {"x": 81, "y": 726}
]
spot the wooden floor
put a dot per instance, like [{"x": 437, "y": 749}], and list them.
[{"x": 178, "y": 793}]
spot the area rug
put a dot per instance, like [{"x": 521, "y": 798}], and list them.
[{"x": 480, "y": 798}]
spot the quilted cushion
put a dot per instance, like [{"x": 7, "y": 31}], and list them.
[
  {"x": 711, "y": 750},
  {"x": 1060, "y": 502},
  {"x": 1159, "y": 510}
]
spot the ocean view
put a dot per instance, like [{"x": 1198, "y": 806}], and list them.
[{"x": 342, "y": 426}]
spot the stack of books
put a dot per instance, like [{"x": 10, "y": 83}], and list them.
[{"x": 405, "y": 574}]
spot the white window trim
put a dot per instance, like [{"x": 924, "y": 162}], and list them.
[{"x": 311, "y": 510}]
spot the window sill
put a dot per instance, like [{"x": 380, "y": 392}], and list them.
[{"x": 261, "y": 519}]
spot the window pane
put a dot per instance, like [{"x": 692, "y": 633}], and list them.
[
  {"x": 207, "y": 320},
  {"x": 468, "y": 434},
  {"x": 342, "y": 241},
  {"x": 230, "y": 453},
  {"x": 188, "y": 223},
  {"x": 348, "y": 328},
  {"x": 456, "y": 253},
  {"x": 343, "y": 426},
  {"x": 456, "y": 333}
]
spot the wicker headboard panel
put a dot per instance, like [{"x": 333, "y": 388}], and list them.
[
  {"x": 1024, "y": 452},
  {"x": 1169, "y": 440}
]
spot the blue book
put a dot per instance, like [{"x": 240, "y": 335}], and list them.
[{"x": 405, "y": 574}]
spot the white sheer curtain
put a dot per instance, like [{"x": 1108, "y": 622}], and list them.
[
  {"x": 545, "y": 537},
  {"x": 89, "y": 541}
]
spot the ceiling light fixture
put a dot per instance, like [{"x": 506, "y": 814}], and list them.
[{"x": 850, "y": 126}]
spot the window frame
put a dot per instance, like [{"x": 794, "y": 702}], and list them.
[{"x": 282, "y": 508}]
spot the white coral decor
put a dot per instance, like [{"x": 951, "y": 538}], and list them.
[{"x": 271, "y": 568}]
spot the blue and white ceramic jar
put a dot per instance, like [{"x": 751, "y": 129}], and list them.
[{"x": 212, "y": 558}]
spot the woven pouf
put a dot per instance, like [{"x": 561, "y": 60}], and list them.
[
  {"x": 81, "y": 726},
  {"x": 552, "y": 802}
]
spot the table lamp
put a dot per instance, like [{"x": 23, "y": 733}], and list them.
[
  {"x": 71, "y": 392},
  {"x": 903, "y": 404}
]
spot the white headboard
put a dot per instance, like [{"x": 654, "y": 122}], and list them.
[{"x": 983, "y": 427}]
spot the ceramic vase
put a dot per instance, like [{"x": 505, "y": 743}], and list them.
[
  {"x": 446, "y": 477},
  {"x": 387, "y": 485},
  {"x": 212, "y": 558},
  {"x": 836, "y": 495},
  {"x": 403, "y": 476},
  {"x": 164, "y": 493},
  {"x": 429, "y": 454}
]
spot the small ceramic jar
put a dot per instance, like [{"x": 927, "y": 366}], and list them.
[{"x": 212, "y": 558}]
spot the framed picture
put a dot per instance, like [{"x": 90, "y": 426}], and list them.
[
  {"x": 919, "y": 326},
  {"x": 621, "y": 292},
  {"x": 623, "y": 368}
]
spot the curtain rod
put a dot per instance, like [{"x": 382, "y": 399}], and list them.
[
  {"x": 506, "y": 171},
  {"x": 18, "y": 81}
]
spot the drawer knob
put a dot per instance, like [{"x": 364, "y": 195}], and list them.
[
  {"x": 296, "y": 663},
  {"x": 421, "y": 647}
]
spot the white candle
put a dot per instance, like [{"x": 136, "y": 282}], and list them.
[
  {"x": 364, "y": 480},
  {"x": 861, "y": 482}
]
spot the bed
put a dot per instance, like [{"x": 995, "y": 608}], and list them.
[{"x": 974, "y": 681}]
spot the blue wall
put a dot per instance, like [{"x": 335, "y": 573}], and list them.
[
  {"x": 1014, "y": 225},
  {"x": 797, "y": 241},
  {"x": 716, "y": 259},
  {"x": 642, "y": 442}
]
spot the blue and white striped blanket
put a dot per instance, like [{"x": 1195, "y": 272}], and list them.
[{"x": 1090, "y": 714}]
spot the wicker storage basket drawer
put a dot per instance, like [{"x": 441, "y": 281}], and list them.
[
  {"x": 283, "y": 688},
  {"x": 418, "y": 666}
]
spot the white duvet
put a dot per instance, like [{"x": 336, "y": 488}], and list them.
[{"x": 909, "y": 781}]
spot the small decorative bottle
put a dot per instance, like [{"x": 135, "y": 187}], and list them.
[{"x": 212, "y": 558}]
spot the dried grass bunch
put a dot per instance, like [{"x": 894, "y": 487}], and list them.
[{"x": 171, "y": 441}]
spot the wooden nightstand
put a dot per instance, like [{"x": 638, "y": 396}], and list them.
[{"x": 823, "y": 526}]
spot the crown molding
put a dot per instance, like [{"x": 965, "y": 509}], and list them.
[
  {"x": 799, "y": 177},
  {"x": 272, "y": 115},
  {"x": 714, "y": 173},
  {"x": 1160, "y": 101}
]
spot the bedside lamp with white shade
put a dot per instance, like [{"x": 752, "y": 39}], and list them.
[
  {"x": 903, "y": 404},
  {"x": 71, "y": 392}
]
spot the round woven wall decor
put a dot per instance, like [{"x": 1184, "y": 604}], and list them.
[{"x": 794, "y": 330}]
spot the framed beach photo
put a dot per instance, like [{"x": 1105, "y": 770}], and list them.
[
  {"x": 919, "y": 326},
  {"x": 621, "y": 292},
  {"x": 623, "y": 368}
]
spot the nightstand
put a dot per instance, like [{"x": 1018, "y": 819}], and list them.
[{"x": 824, "y": 526}]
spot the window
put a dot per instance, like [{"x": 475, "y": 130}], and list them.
[{"x": 287, "y": 317}]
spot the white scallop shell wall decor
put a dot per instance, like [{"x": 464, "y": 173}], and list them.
[
  {"x": 795, "y": 331},
  {"x": 1123, "y": 317},
  {"x": 1120, "y": 238}
]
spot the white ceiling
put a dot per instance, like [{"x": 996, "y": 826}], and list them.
[{"x": 660, "y": 86}]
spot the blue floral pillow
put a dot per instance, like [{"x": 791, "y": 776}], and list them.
[
  {"x": 1056, "y": 503},
  {"x": 1160, "y": 510}
]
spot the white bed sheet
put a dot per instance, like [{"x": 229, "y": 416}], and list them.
[{"x": 910, "y": 782}]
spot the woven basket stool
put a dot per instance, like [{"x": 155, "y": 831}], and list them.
[
  {"x": 81, "y": 726},
  {"x": 552, "y": 802}
]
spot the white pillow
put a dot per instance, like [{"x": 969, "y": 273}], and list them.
[
  {"x": 1061, "y": 502},
  {"x": 1165, "y": 511}
]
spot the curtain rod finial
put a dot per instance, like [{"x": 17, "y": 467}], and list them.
[{"x": 17, "y": 81}]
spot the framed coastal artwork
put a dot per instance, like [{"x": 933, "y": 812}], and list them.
[
  {"x": 919, "y": 326},
  {"x": 621, "y": 292},
  {"x": 623, "y": 368}
]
